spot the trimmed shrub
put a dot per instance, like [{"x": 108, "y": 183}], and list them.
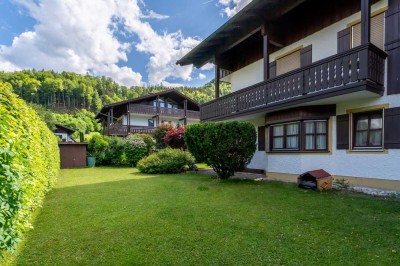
[
  {"x": 29, "y": 165},
  {"x": 115, "y": 154},
  {"x": 175, "y": 138},
  {"x": 135, "y": 150},
  {"x": 166, "y": 161},
  {"x": 148, "y": 140},
  {"x": 98, "y": 146},
  {"x": 160, "y": 133},
  {"x": 226, "y": 146}
]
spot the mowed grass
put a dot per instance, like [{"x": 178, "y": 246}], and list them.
[{"x": 107, "y": 216}]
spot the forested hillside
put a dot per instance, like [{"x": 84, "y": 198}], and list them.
[
  {"x": 72, "y": 100},
  {"x": 68, "y": 91}
]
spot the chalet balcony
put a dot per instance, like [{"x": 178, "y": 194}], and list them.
[
  {"x": 162, "y": 111},
  {"x": 358, "y": 69},
  {"x": 120, "y": 130}
]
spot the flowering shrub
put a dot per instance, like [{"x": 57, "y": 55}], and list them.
[
  {"x": 134, "y": 150},
  {"x": 175, "y": 138},
  {"x": 159, "y": 134}
]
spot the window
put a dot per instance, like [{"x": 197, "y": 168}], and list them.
[
  {"x": 307, "y": 136},
  {"x": 286, "y": 136},
  {"x": 288, "y": 63},
  {"x": 368, "y": 130},
  {"x": 151, "y": 122},
  {"x": 377, "y": 32},
  {"x": 316, "y": 135}
]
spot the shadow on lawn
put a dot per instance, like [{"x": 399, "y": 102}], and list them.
[{"x": 153, "y": 219}]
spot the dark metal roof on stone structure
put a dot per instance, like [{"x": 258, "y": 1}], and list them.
[
  {"x": 173, "y": 94},
  {"x": 248, "y": 21}
]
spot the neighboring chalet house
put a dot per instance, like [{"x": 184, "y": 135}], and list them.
[
  {"x": 64, "y": 133},
  {"x": 144, "y": 114},
  {"x": 321, "y": 82}
]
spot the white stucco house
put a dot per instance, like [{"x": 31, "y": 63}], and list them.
[
  {"x": 144, "y": 114},
  {"x": 320, "y": 80}
]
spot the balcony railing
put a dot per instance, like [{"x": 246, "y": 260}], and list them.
[
  {"x": 343, "y": 73},
  {"x": 119, "y": 130},
  {"x": 162, "y": 111}
]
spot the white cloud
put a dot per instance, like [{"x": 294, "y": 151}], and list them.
[
  {"x": 154, "y": 15},
  {"x": 201, "y": 76},
  {"x": 232, "y": 7},
  {"x": 80, "y": 36}
]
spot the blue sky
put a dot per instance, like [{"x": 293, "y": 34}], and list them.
[{"x": 135, "y": 42}]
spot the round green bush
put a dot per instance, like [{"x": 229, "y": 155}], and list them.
[
  {"x": 29, "y": 165},
  {"x": 166, "y": 161},
  {"x": 226, "y": 146}
]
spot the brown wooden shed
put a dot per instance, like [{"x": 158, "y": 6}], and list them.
[{"x": 72, "y": 154}]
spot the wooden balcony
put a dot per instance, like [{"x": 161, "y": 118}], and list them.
[
  {"x": 162, "y": 111},
  {"x": 359, "y": 69},
  {"x": 119, "y": 130}
]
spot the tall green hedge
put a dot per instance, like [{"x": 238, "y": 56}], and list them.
[
  {"x": 29, "y": 165},
  {"x": 225, "y": 146}
]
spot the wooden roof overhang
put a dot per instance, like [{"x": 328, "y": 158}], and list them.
[
  {"x": 284, "y": 21},
  {"x": 243, "y": 25},
  {"x": 120, "y": 108},
  {"x": 63, "y": 129}
]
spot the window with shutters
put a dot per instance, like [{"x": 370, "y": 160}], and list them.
[
  {"x": 288, "y": 63},
  {"x": 306, "y": 136},
  {"x": 377, "y": 32},
  {"x": 368, "y": 130}
]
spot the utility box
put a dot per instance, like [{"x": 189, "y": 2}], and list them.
[{"x": 317, "y": 180}]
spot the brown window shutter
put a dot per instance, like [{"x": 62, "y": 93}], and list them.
[
  {"x": 392, "y": 128},
  {"x": 342, "y": 132},
  {"x": 272, "y": 70},
  {"x": 261, "y": 138},
  {"x": 392, "y": 25},
  {"x": 344, "y": 40},
  {"x": 306, "y": 56}
]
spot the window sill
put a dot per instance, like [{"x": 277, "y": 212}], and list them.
[
  {"x": 368, "y": 151},
  {"x": 299, "y": 152}
]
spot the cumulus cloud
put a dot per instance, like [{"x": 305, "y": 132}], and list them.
[
  {"x": 232, "y": 7},
  {"x": 81, "y": 36},
  {"x": 201, "y": 76}
]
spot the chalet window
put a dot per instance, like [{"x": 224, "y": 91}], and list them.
[
  {"x": 307, "y": 136},
  {"x": 377, "y": 32},
  {"x": 368, "y": 130},
  {"x": 316, "y": 135},
  {"x": 151, "y": 122},
  {"x": 288, "y": 63},
  {"x": 286, "y": 136}
]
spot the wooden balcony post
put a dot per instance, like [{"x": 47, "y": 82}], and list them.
[
  {"x": 265, "y": 52},
  {"x": 365, "y": 21},
  {"x": 217, "y": 81},
  {"x": 112, "y": 115},
  {"x": 185, "y": 109},
  {"x": 128, "y": 117}
]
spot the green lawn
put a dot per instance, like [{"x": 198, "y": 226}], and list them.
[{"x": 107, "y": 216}]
